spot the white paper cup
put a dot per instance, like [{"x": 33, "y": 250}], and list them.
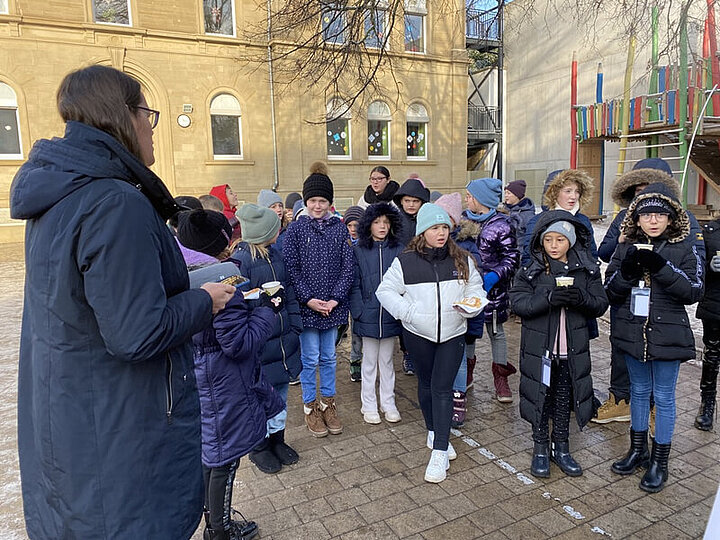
[
  {"x": 649, "y": 247},
  {"x": 564, "y": 281},
  {"x": 271, "y": 287}
]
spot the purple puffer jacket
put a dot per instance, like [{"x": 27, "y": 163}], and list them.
[
  {"x": 319, "y": 261},
  {"x": 497, "y": 244},
  {"x": 235, "y": 399}
]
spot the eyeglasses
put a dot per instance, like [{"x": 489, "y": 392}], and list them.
[
  {"x": 152, "y": 114},
  {"x": 377, "y": 178},
  {"x": 658, "y": 217}
]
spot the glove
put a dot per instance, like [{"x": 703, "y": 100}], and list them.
[
  {"x": 650, "y": 260},
  {"x": 490, "y": 280},
  {"x": 276, "y": 302},
  {"x": 629, "y": 267},
  {"x": 577, "y": 298},
  {"x": 715, "y": 263},
  {"x": 561, "y": 296}
]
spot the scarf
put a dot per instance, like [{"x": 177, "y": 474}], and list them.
[
  {"x": 481, "y": 217},
  {"x": 386, "y": 196}
]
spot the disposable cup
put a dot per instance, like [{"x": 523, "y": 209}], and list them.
[
  {"x": 564, "y": 281},
  {"x": 271, "y": 287},
  {"x": 649, "y": 247}
]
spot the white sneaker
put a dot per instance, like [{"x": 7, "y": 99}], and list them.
[
  {"x": 452, "y": 454},
  {"x": 371, "y": 417},
  {"x": 392, "y": 416},
  {"x": 436, "y": 470}
]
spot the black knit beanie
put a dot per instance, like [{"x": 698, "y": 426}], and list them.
[
  {"x": 318, "y": 184},
  {"x": 205, "y": 231}
]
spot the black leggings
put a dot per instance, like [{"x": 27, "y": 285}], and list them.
[
  {"x": 436, "y": 365},
  {"x": 556, "y": 405},
  {"x": 218, "y": 494}
]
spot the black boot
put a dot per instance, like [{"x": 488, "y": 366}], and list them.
[
  {"x": 285, "y": 454},
  {"x": 562, "y": 458},
  {"x": 540, "y": 466},
  {"x": 242, "y": 529},
  {"x": 708, "y": 387},
  {"x": 264, "y": 458},
  {"x": 561, "y": 422},
  {"x": 637, "y": 456},
  {"x": 657, "y": 473}
]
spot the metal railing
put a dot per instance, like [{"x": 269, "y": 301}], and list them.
[
  {"x": 483, "y": 119},
  {"x": 482, "y": 24}
]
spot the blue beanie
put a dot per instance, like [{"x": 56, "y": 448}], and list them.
[
  {"x": 430, "y": 215},
  {"x": 656, "y": 163},
  {"x": 486, "y": 191}
]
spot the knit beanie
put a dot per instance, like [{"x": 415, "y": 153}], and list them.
[
  {"x": 292, "y": 198},
  {"x": 517, "y": 188},
  {"x": 205, "y": 231},
  {"x": 452, "y": 204},
  {"x": 354, "y": 213},
  {"x": 298, "y": 207},
  {"x": 658, "y": 164},
  {"x": 429, "y": 215},
  {"x": 654, "y": 205},
  {"x": 257, "y": 223},
  {"x": 318, "y": 184},
  {"x": 189, "y": 202},
  {"x": 267, "y": 198},
  {"x": 562, "y": 227},
  {"x": 435, "y": 195},
  {"x": 486, "y": 191}
]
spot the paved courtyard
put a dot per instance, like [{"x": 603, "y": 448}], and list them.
[{"x": 368, "y": 482}]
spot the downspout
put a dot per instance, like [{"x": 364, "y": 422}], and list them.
[{"x": 276, "y": 180}]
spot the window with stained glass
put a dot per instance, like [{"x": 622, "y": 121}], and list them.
[
  {"x": 416, "y": 121},
  {"x": 219, "y": 17},
  {"x": 378, "y": 130},
  {"x": 111, "y": 11},
  {"x": 337, "y": 127},
  {"x": 10, "y": 147},
  {"x": 226, "y": 125}
]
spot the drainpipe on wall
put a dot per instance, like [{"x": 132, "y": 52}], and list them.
[{"x": 276, "y": 180}]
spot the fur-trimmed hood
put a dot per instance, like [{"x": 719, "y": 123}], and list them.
[
  {"x": 623, "y": 190},
  {"x": 556, "y": 183},
  {"x": 467, "y": 230},
  {"x": 373, "y": 212},
  {"x": 678, "y": 229}
]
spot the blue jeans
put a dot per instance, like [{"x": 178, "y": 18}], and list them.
[
  {"x": 657, "y": 378},
  {"x": 460, "y": 383},
  {"x": 277, "y": 422},
  {"x": 317, "y": 349}
]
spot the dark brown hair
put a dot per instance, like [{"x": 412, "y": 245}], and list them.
[
  {"x": 458, "y": 254},
  {"x": 104, "y": 98}
]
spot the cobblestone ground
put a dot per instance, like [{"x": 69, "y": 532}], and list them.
[{"x": 368, "y": 482}]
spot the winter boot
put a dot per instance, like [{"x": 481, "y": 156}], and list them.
[
  {"x": 470, "y": 368},
  {"x": 540, "y": 466},
  {"x": 459, "y": 409},
  {"x": 657, "y": 472},
  {"x": 282, "y": 451},
  {"x": 329, "y": 415},
  {"x": 613, "y": 410},
  {"x": 502, "y": 388},
  {"x": 562, "y": 458},
  {"x": 242, "y": 529},
  {"x": 264, "y": 458},
  {"x": 637, "y": 456},
  {"x": 708, "y": 391},
  {"x": 314, "y": 419}
]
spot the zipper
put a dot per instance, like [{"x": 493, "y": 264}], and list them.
[
  {"x": 381, "y": 308},
  {"x": 282, "y": 322},
  {"x": 168, "y": 387},
  {"x": 437, "y": 293},
  {"x": 645, "y": 324}
]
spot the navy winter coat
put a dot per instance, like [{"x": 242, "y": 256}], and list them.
[
  {"x": 465, "y": 236},
  {"x": 108, "y": 411},
  {"x": 372, "y": 259},
  {"x": 280, "y": 355},
  {"x": 521, "y": 213},
  {"x": 319, "y": 262},
  {"x": 235, "y": 398}
]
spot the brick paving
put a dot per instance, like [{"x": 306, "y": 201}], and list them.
[{"x": 368, "y": 482}]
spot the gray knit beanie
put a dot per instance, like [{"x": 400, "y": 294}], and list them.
[
  {"x": 267, "y": 198},
  {"x": 258, "y": 224}
]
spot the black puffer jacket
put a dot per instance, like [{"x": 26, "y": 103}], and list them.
[
  {"x": 666, "y": 333},
  {"x": 411, "y": 188},
  {"x": 529, "y": 297},
  {"x": 709, "y": 306}
]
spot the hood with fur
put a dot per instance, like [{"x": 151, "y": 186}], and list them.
[
  {"x": 623, "y": 190},
  {"x": 581, "y": 178},
  {"x": 467, "y": 230},
  {"x": 677, "y": 230},
  {"x": 373, "y": 212}
]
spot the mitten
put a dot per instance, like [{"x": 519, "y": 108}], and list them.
[
  {"x": 490, "y": 280},
  {"x": 629, "y": 267},
  {"x": 276, "y": 302},
  {"x": 650, "y": 260}
]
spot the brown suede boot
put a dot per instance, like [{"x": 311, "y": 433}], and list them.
[
  {"x": 314, "y": 419},
  {"x": 329, "y": 415},
  {"x": 502, "y": 388}
]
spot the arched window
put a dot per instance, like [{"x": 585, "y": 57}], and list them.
[
  {"x": 417, "y": 120},
  {"x": 337, "y": 126},
  {"x": 10, "y": 147},
  {"x": 379, "y": 130},
  {"x": 225, "y": 120}
]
